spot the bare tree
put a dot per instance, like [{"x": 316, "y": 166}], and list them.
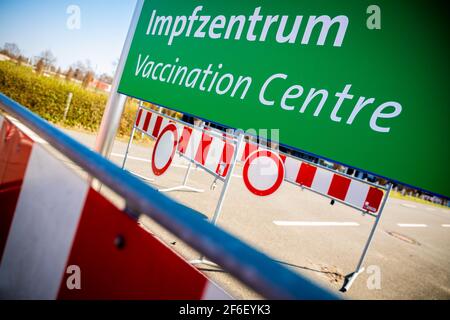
[
  {"x": 48, "y": 58},
  {"x": 78, "y": 74},
  {"x": 78, "y": 65},
  {"x": 40, "y": 66},
  {"x": 84, "y": 67},
  {"x": 104, "y": 77},
  {"x": 21, "y": 60},
  {"x": 88, "y": 78},
  {"x": 11, "y": 49},
  {"x": 69, "y": 74},
  {"x": 81, "y": 69}
]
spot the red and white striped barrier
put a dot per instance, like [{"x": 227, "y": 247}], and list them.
[
  {"x": 332, "y": 184},
  {"x": 15, "y": 149},
  {"x": 246, "y": 149},
  {"x": 320, "y": 180},
  {"x": 215, "y": 154},
  {"x": 150, "y": 122},
  {"x": 204, "y": 147},
  {"x": 59, "y": 226},
  {"x": 264, "y": 169}
]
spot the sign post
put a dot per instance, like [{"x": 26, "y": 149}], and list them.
[{"x": 116, "y": 101}]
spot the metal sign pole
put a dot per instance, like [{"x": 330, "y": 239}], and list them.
[
  {"x": 219, "y": 206},
  {"x": 116, "y": 101},
  {"x": 359, "y": 269}
]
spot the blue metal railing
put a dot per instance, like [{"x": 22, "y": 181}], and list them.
[{"x": 253, "y": 268}]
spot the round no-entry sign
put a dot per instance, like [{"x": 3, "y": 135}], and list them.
[
  {"x": 263, "y": 172},
  {"x": 164, "y": 150}
]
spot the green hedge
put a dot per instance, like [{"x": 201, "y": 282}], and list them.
[{"x": 46, "y": 96}]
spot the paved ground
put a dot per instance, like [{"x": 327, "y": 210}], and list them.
[{"x": 411, "y": 246}]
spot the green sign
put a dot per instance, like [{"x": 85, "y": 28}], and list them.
[{"x": 365, "y": 85}]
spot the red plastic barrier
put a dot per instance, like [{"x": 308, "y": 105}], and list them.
[
  {"x": 51, "y": 220},
  {"x": 120, "y": 260},
  {"x": 15, "y": 149}
]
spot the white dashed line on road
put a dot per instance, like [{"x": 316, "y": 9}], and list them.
[
  {"x": 446, "y": 225},
  {"x": 408, "y": 205},
  {"x": 149, "y": 161},
  {"x": 183, "y": 166},
  {"x": 412, "y": 225},
  {"x": 130, "y": 157},
  {"x": 315, "y": 224}
]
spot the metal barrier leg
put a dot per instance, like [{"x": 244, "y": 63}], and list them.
[
  {"x": 127, "y": 150},
  {"x": 142, "y": 177},
  {"x": 184, "y": 186},
  {"x": 128, "y": 147},
  {"x": 218, "y": 211},
  {"x": 350, "y": 278}
]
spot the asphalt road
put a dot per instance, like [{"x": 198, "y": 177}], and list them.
[{"x": 408, "y": 259}]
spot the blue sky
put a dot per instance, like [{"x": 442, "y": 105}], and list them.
[{"x": 37, "y": 25}]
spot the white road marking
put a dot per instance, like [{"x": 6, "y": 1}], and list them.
[
  {"x": 446, "y": 225},
  {"x": 119, "y": 155},
  {"x": 316, "y": 224},
  {"x": 183, "y": 166},
  {"x": 412, "y": 225},
  {"x": 430, "y": 209},
  {"x": 408, "y": 205}
]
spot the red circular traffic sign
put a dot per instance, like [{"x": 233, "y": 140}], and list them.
[
  {"x": 164, "y": 150},
  {"x": 263, "y": 172}
]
